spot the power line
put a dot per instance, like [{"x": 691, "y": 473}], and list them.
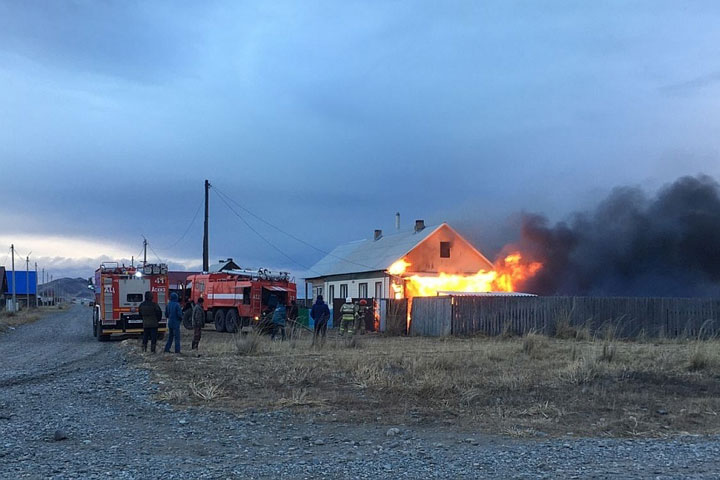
[
  {"x": 290, "y": 234},
  {"x": 262, "y": 236},
  {"x": 192, "y": 222}
]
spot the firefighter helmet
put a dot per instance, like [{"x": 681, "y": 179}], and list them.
[
  {"x": 363, "y": 302},
  {"x": 348, "y": 300}
]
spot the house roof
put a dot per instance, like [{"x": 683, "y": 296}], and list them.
[
  {"x": 21, "y": 282},
  {"x": 370, "y": 255},
  {"x": 228, "y": 264}
]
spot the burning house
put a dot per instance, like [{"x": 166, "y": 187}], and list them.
[{"x": 419, "y": 262}]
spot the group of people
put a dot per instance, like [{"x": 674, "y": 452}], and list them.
[
  {"x": 151, "y": 315},
  {"x": 352, "y": 320}
]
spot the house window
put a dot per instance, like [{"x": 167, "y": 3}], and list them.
[
  {"x": 343, "y": 290},
  {"x": 362, "y": 290},
  {"x": 331, "y": 294},
  {"x": 378, "y": 290},
  {"x": 444, "y": 249}
]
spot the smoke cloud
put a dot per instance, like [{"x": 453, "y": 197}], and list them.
[{"x": 632, "y": 244}]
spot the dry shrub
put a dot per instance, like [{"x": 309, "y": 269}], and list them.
[
  {"x": 581, "y": 372},
  {"x": 205, "y": 390},
  {"x": 609, "y": 350},
  {"x": 247, "y": 344},
  {"x": 534, "y": 345},
  {"x": 701, "y": 357},
  {"x": 565, "y": 331}
]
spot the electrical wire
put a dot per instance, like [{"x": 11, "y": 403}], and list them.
[
  {"x": 289, "y": 234},
  {"x": 192, "y": 222},
  {"x": 278, "y": 249}
]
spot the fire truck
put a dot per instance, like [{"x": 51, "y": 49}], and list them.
[
  {"x": 240, "y": 299},
  {"x": 119, "y": 291}
]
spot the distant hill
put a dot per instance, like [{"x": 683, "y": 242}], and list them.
[{"x": 68, "y": 287}]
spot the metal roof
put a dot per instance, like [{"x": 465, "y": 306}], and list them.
[
  {"x": 21, "y": 283},
  {"x": 228, "y": 264},
  {"x": 370, "y": 255}
]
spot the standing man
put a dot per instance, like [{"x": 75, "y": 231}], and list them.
[
  {"x": 278, "y": 320},
  {"x": 347, "y": 319},
  {"x": 151, "y": 315},
  {"x": 173, "y": 313},
  {"x": 321, "y": 314},
  {"x": 198, "y": 322}
]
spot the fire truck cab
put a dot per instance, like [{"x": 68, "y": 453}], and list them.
[
  {"x": 238, "y": 299},
  {"x": 119, "y": 291}
]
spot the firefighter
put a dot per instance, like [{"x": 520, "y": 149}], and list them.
[
  {"x": 347, "y": 320},
  {"x": 151, "y": 315},
  {"x": 360, "y": 316},
  {"x": 198, "y": 322}
]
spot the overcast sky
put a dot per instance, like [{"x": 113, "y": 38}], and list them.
[{"x": 325, "y": 118}]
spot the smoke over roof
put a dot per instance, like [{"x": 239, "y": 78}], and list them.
[{"x": 632, "y": 244}]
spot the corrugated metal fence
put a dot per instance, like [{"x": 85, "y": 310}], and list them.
[{"x": 624, "y": 317}]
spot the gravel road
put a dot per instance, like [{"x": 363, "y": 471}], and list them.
[{"x": 55, "y": 376}]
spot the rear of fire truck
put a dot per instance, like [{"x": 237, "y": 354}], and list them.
[{"x": 119, "y": 291}]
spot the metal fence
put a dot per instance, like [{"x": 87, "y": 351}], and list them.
[{"x": 623, "y": 317}]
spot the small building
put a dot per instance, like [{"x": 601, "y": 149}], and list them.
[
  {"x": 3, "y": 287},
  {"x": 23, "y": 281},
  {"x": 360, "y": 269}
]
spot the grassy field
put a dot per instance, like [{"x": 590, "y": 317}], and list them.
[
  {"x": 9, "y": 320},
  {"x": 522, "y": 386}
]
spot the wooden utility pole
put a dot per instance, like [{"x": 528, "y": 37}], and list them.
[
  {"x": 144, "y": 251},
  {"x": 206, "y": 262},
  {"x": 14, "y": 298}
]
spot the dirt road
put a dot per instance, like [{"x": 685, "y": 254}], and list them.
[{"x": 55, "y": 376}]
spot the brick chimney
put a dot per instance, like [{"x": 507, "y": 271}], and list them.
[
  {"x": 377, "y": 235},
  {"x": 419, "y": 225}
]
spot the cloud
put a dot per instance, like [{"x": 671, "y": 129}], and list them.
[{"x": 693, "y": 85}]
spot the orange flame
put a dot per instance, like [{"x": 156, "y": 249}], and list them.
[{"x": 509, "y": 272}]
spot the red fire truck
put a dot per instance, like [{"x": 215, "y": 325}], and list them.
[
  {"x": 119, "y": 290},
  {"x": 238, "y": 299}
]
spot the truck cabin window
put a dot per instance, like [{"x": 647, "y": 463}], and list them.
[{"x": 134, "y": 297}]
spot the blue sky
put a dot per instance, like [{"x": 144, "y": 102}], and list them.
[{"x": 326, "y": 118}]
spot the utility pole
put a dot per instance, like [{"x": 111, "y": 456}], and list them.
[
  {"x": 14, "y": 298},
  {"x": 144, "y": 251},
  {"x": 27, "y": 282},
  {"x": 52, "y": 290},
  {"x": 37, "y": 295},
  {"x": 206, "y": 262}
]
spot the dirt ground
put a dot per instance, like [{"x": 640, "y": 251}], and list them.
[
  {"x": 529, "y": 386},
  {"x": 11, "y": 320}
]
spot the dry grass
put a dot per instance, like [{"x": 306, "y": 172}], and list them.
[
  {"x": 10, "y": 320},
  {"x": 518, "y": 386}
]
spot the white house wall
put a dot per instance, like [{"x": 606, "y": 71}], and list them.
[{"x": 353, "y": 287}]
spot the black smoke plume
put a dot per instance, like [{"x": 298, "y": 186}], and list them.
[{"x": 632, "y": 244}]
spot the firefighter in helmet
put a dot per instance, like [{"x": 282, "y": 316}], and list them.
[
  {"x": 347, "y": 319},
  {"x": 360, "y": 316}
]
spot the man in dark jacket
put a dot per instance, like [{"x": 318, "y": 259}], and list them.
[
  {"x": 320, "y": 314},
  {"x": 174, "y": 314},
  {"x": 198, "y": 322},
  {"x": 151, "y": 315},
  {"x": 278, "y": 319}
]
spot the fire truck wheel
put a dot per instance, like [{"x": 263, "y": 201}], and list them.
[
  {"x": 219, "y": 320},
  {"x": 187, "y": 319},
  {"x": 101, "y": 338},
  {"x": 231, "y": 321}
]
